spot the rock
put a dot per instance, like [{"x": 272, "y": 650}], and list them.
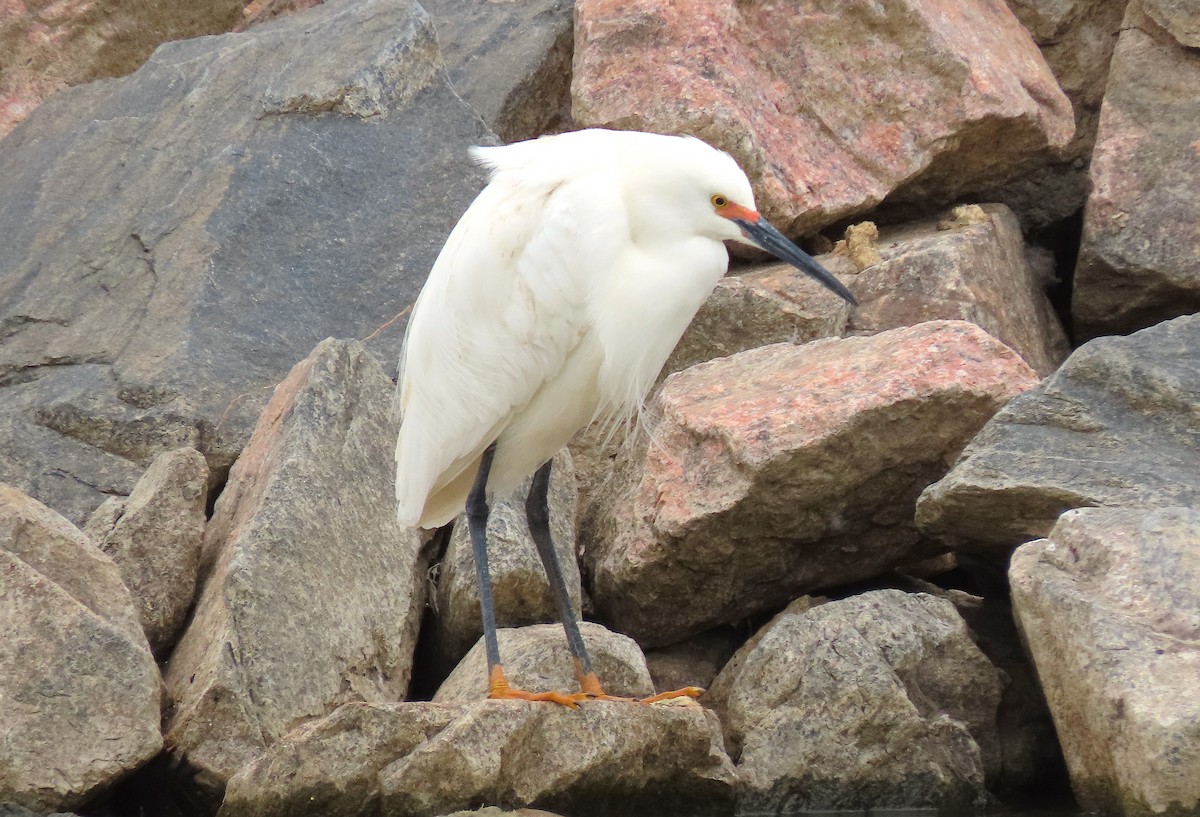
[
  {"x": 1076, "y": 37},
  {"x": 185, "y": 234},
  {"x": 154, "y": 536},
  {"x": 819, "y": 135},
  {"x": 785, "y": 469},
  {"x": 1137, "y": 260},
  {"x": 520, "y": 591},
  {"x": 493, "y": 811},
  {"x": 421, "y": 758},
  {"x": 79, "y": 687},
  {"x": 1109, "y": 606},
  {"x": 510, "y": 61},
  {"x": 536, "y": 658},
  {"x": 1115, "y": 425},
  {"x": 972, "y": 269},
  {"x": 876, "y": 701},
  {"x": 694, "y": 662},
  {"x": 768, "y": 304},
  {"x": 316, "y": 592},
  {"x": 48, "y": 46}
]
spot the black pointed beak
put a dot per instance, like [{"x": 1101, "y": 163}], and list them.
[{"x": 763, "y": 235}]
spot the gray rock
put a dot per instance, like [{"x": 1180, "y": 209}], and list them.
[
  {"x": 1137, "y": 259},
  {"x": 422, "y": 758},
  {"x": 1109, "y": 606},
  {"x": 80, "y": 690},
  {"x": 1116, "y": 425},
  {"x": 785, "y": 469},
  {"x": 694, "y": 662},
  {"x": 876, "y": 701},
  {"x": 185, "y": 234},
  {"x": 154, "y": 536},
  {"x": 536, "y": 658},
  {"x": 520, "y": 590},
  {"x": 511, "y": 61},
  {"x": 316, "y": 593},
  {"x": 967, "y": 265}
]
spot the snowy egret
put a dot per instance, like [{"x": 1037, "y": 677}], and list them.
[{"x": 556, "y": 300}]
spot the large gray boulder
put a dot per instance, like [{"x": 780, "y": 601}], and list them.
[
  {"x": 875, "y": 701},
  {"x": 1109, "y": 607},
  {"x": 316, "y": 592},
  {"x": 175, "y": 240},
  {"x": 79, "y": 690},
  {"x": 1116, "y": 425},
  {"x": 1137, "y": 260}
]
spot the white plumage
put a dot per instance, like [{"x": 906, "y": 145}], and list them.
[{"x": 557, "y": 298}]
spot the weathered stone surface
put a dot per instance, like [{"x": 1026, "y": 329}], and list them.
[
  {"x": 879, "y": 700},
  {"x": 49, "y": 45},
  {"x": 819, "y": 134},
  {"x": 605, "y": 758},
  {"x": 511, "y": 61},
  {"x": 154, "y": 536},
  {"x": 1116, "y": 425},
  {"x": 536, "y": 658},
  {"x": 1141, "y": 231},
  {"x": 79, "y": 688},
  {"x": 421, "y": 759},
  {"x": 694, "y": 662},
  {"x": 970, "y": 268},
  {"x": 767, "y": 304},
  {"x": 316, "y": 592},
  {"x": 785, "y": 469},
  {"x": 185, "y": 234},
  {"x": 1109, "y": 607},
  {"x": 520, "y": 590}
]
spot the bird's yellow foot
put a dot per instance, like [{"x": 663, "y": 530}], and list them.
[
  {"x": 589, "y": 685},
  {"x": 499, "y": 688}
]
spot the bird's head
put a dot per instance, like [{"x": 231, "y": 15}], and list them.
[{"x": 711, "y": 197}]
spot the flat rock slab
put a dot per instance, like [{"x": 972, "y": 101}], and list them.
[
  {"x": 154, "y": 536},
  {"x": 967, "y": 265},
  {"x": 184, "y": 235},
  {"x": 876, "y": 701},
  {"x": 1137, "y": 260},
  {"x": 817, "y": 132},
  {"x": 79, "y": 687},
  {"x": 536, "y": 658},
  {"x": 410, "y": 759},
  {"x": 1116, "y": 425},
  {"x": 1109, "y": 606},
  {"x": 521, "y": 592},
  {"x": 316, "y": 592},
  {"x": 787, "y": 468}
]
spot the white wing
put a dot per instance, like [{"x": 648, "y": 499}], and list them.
[{"x": 505, "y": 303}]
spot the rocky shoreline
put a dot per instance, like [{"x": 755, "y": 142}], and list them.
[{"x": 938, "y": 551}]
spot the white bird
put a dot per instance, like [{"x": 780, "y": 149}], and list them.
[{"x": 556, "y": 300}]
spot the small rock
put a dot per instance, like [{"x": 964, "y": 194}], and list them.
[
  {"x": 1115, "y": 425},
  {"x": 1137, "y": 260},
  {"x": 520, "y": 590},
  {"x": 819, "y": 137},
  {"x": 785, "y": 469},
  {"x": 1109, "y": 607},
  {"x": 79, "y": 689},
  {"x": 861, "y": 245},
  {"x": 316, "y": 592},
  {"x": 154, "y": 536},
  {"x": 876, "y": 701},
  {"x": 536, "y": 658},
  {"x": 695, "y": 661},
  {"x": 423, "y": 758}
]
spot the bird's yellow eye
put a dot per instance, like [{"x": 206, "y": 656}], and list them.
[{"x": 719, "y": 201}]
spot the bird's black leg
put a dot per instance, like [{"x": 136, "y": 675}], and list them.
[
  {"x": 477, "y": 518},
  {"x": 537, "y": 511}
]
